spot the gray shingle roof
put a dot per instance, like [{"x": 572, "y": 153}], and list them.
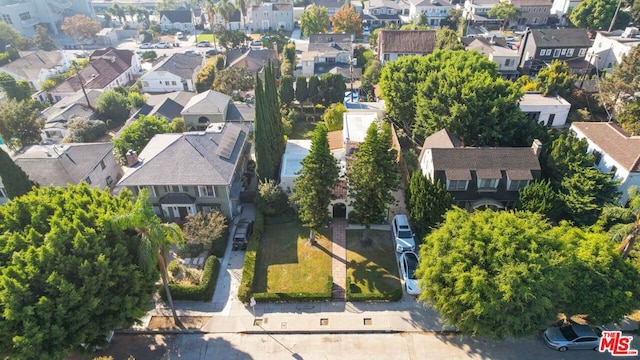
[
  {"x": 407, "y": 41},
  {"x": 621, "y": 147},
  {"x": 567, "y": 37},
  {"x": 177, "y": 16},
  {"x": 468, "y": 158},
  {"x": 208, "y": 102},
  {"x": 186, "y": 159},
  {"x": 181, "y": 65}
]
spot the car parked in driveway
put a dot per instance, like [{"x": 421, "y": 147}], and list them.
[
  {"x": 408, "y": 265},
  {"x": 203, "y": 43},
  {"x": 242, "y": 234},
  {"x": 146, "y": 46},
  {"x": 563, "y": 338},
  {"x": 212, "y": 52},
  {"x": 402, "y": 234},
  {"x": 163, "y": 45}
]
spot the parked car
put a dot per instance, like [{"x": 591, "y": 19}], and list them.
[
  {"x": 146, "y": 46},
  {"x": 241, "y": 236},
  {"x": 563, "y": 338},
  {"x": 212, "y": 52},
  {"x": 408, "y": 264},
  {"x": 80, "y": 54},
  {"x": 163, "y": 45},
  {"x": 192, "y": 52},
  {"x": 203, "y": 43},
  {"x": 402, "y": 234},
  {"x": 509, "y": 38},
  {"x": 179, "y": 35}
]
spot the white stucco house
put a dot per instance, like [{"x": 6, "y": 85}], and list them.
[
  {"x": 176, "y": 73},
  {"x": 550, "y": 111},
  {"x": 609, "y": 48},
  {"x": 435, "y": 11},
  {"x": 615, "y": 152},
  {"x": 181, "y": 20},
  {"x": 36, "y": 66}
]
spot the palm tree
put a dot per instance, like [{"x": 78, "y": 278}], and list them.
[
  {"x": 225, "y": 9},
  {"x": 155, "y": 239},
  {"x": 211, "y": 9},
  {"x": 242, "y": 5},
  {"x": 627, "y": 233}
]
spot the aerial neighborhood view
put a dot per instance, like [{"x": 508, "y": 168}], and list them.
[{"x": 330, "y": 179}]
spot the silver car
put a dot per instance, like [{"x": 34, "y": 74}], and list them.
[
  {"x": 408, "y": 264},
  {"x": 563, "y": 338}
]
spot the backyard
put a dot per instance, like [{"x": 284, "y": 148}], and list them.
[{"x": 372, "y": 267}]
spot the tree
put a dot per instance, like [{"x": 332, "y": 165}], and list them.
[
  {"x": 42, "y": 39},
  {"x": 620, "y": 88},
  {"x": 230, "y": 39},
  {"x": 116, "y": 11},
  {"x": 566, "y": 152},
  {"x": 302, "y": 90},
  {"x": 68, "y": 277},
  {"x": 447, "y": 39},
  {"x": 314, "y": 20},
  {"x": 314, "y": 90},
  {"x": 219, "y": 61},
  {"x": 137, "y": 135},
  {"x": 332, "y": 116},
  {"x": 113, "y": 107},
  {"x": 16, "y": 90},
  {"x": 232, "y": 79},
  {"x": 312, "y": 192},
  {"x": 597, "y": 15},
  {"x": 286, "y": 90},
  {"x": 453, "y": 21},
  {"x": 17, "y": 41},
  {"x": 205, "y": 77},
  {"x": 289, "y": 53},
  {"x": 135, "y": 99},
  {"x": 347, "y": 21},
  {"x": 493, "y": 274},
  {"x": 372, "y": 176},
  {"x": 585, "y": 191},
  {"x": 505, "y": 11},
  {"x": 211, "y": 9},
  {"x": 19, "y": 123},
  {"x": 80, "y": 27},
  {"x": 427, "y": 202},
  {"x": 539, "y": 197},
  {"x": 556, "y": 79},
  {"x": 15, "y": 181},
  {"x": 626, "y": 231},
  {"x": 205, "y": 228},
  {"x": 155, "y": 239},
  {"x": 81, "y": 130},
  {"x": 269, "y": 132},
  {"x": 629, "y": 118},
  {"x": 332, "y": 88},
  {"x": 225, "y": 9}
]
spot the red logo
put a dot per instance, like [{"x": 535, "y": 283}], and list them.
[{"x": 616, "y": 344}]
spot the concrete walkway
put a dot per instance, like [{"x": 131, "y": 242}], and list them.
[{"x": 339, "y": 260}]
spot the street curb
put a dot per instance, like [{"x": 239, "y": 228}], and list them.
[{"x": 279, "y": 332}]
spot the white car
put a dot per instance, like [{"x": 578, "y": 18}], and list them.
[
  {"x": 408, "y": 264},
  {"x": 163, "y": 45},
  {"x": 146, "y": 46},
  {"x": 402, "y": 234}
]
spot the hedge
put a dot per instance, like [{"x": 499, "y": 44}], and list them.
[
  {"x": 298, "y": 296},
  {"x": 392, "y": 296},
  {"x": 249, "y": 268},
  {"x": 202, "y": 292},
  {"x": 219, "y": 245}
]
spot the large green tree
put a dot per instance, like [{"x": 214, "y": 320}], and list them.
[
  {"x": 113, "y": 107},
  {"x": 269, "y": 131},
  {"x": 302, "y": 90},
  {"x": 205, "y": 77},
  {"x": 312, "y": 192},
  {"x": 372, "y": 177},
  {"x": 232, "y": 79},
  {"x": 332, "y": 88},
  {"x": 17, "y": 41},
  {"x": 597, "y": 15},
  {"x": 493, "y": 274},
  {"x": 19, "y": 123},
  {"x": 585, "y": 191},
  {"x": 621, "y": 88},
  {"x": 137, "y": 135},
  {"x": 205, "y": 229},
  {"x": 566, "y": 151},
  {"x": 285, "y": 90},
  {"x": 314, "y": 90},
  {"x": 427, "y": 202},
  {"x": 314, "y": 20},
  {"x": 555, "y": 79},
  {"x": 629, "y": 118},
  {"x": 67, "y": 276},
  {"x": 333, "y": 116},
  {"x": 541, "y": 198},
  {"x": 80, "y": 27},
  {"x": 42, "y": 39},
  {"x": 14, "y": 180},
  {"x": 347, "y": 21},
  {"x": 447, "y": 39},
  {"x": 18, "y": 90},
  {"x": 505, "y": 11}
]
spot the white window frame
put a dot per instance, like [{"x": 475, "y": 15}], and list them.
[
  {"x": 454, "y": 185},
  {"x": 515, "y": 185},
  {"x": 582, "y": 52},
  {"x": 203, "y": 191},
  {"x": 569, "y": 52},
  {"x": 556, "y": 53},
  {"x": 563, "y": 52},
  {"x": 548, "y": 53},
  {"x": 488, "y": 183}
]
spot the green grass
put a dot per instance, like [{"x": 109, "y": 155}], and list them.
[
  {"x": 286, "y": 263},
  {"x": 303, "y": 129},
  {"x": 372, "y": 268},
  {"x": 203, "y": 37}
]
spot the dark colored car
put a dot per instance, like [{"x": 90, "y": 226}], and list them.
[
  {"x": 242, "y": 234},
  {"x": 212, "y": 52}
]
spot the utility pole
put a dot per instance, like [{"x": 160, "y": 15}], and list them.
[
  {"x": 615, "y": 15},
  {"x": 75, "y": 65}
]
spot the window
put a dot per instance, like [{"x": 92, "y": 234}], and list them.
[
  {"x": 145, "y": 83},
  {"x": 7, "y": 19},
  {"x": 556, "y": 53},
  {"x": 542, "y": 52},
  {"x": 457, "y": 185},
  {"x": 548, "y": 52},
  {"x": 206, "y": 190},
  {"x": 507, "y": 62},
  {"x": 550, "y": 120},
  {"x": 569, "y": 52},
  {"x": 87, "y": 180},
  {"x": 386, "y": 57},
  {"x": 102, "y": 165},
  {"x": 582, "y": 52},
  {"x": 563, "y": 52},
  {"x": 25, "y": 16},
  {"x": 487, "y": 184},
  {"x": 173, "y": 83},
  {"x": 535, "y": 115},
  {"x": 515, "y": 185},
  {"x": 613, "y": 170},
  {"x": 109, "y": 180},
  {"x": 597, "y": 157},
  {"x": 176, "y": 188}
]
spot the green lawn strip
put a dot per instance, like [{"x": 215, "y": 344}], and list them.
[
  {"x": 372, "y": 268},
  {"x": 286, "y": 263},
  {"x": 303, "y": 129}
]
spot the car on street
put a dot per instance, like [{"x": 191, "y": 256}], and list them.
[
  {"x": 408, "y": 264},
  {"x": 80, "y": 54},
  {"x": 146, "y": 46},
  {"x": 509, "y": 38},
  {"x": 163, "y": 45},
  {"x": 212, "y": 52},
  {"x": 402, "y": 234},
  {"x": 179, "y": 35},
  {"x": 203, "y": 43},
  {"x": 192, "y": 52},
  {"x": 574, "y": 336},
  {"x": 242, "y": 234}
]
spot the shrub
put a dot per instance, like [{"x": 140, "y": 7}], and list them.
[
  {"x": 249, "y": 269},
  {"x": 203, "y": 291},
  {"x": 297, "y": 296},
  {"x": 174, "y": 267}
]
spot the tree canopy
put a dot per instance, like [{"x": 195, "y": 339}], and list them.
[
  {"x": 314, "y": 20},
  {"x": 269, "y": 131},
  {"x": 427, "y": 202},
  {"x": 235, "y": 78},
  {"x": 67, "y": 275},
  {"x": 137, "y": 135},
  {"x": 597, "y": 15},
  {"x": 447, "y": 39},
  {"x": 18, "y": 90},
  {"x": 347, "y": 21},
  {"x": 332, "y": 88},
  {"x": 14, "y": 180},
  {"x": 505, "y": 11},
  {"x": 621, "y": 88},
  {"x": 333, "y": 116},
  {"x": 113, "y": 107},
  {"x": 19, "y": 123},
  {"x": 205, "y": 77},
  {"x": 80, "y": 27},
  {"x": 42, "y": 39},
  {"x": 285, "y": 90},
  {"x": 555, "y": 79},
  {"x": 541, "y": 198}
]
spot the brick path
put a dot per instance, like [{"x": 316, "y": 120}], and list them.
[{"x": 339, "y": 259}]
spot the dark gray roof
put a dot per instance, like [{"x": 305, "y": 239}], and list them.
[
  {"x": 254, "y": 60},
  {"x": 443, "y": 139},
  {"x": 407, "y": 41},
  {"x": 208, "y": 102},
  {"x": 177, "y": 16},
  {"x": 181, "y": 65},
  {"x": 469, "y": 158},
  {"x": 238, "y": 111},
  {"x": 70, "y": 164},
  {"x": 567, "y": 37},
  {"x": 186, "y": 159},
  {"x": 329, "y": 38},
  {"x": 177, "y": 198}
]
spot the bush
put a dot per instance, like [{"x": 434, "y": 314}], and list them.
[
  {"x": 82, "y": 130},
  {"x": 174, "y": 267},
  {"x": 299, "y": 296},
  {"x": 203, "y": 291},
  {"x": 249, "y": 269}
]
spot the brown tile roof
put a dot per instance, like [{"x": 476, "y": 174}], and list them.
[
  {"x": 620, "y": 146},
  {"x": 335, "y": 139},
  {"x": 105, "y": 65},
  {"x": 407, "y": 41}
]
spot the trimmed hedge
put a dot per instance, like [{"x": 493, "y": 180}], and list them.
[
  {"x": 249, "y": 268},
  {"x": 299, "y": 296},
  {"x": 219, "y": 245},
  {"x": 202, "y": 292},
  {"x": 392, "y": 296}
]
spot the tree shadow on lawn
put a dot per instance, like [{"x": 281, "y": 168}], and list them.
[{"x": 372, "y": 265}]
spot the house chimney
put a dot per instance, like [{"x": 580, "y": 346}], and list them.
[
  {"x": 537, "y": 147},
  {"x": 132, "y": 158}
]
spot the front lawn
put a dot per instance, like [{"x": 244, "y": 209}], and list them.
[
  {"x": 372, "y": 268},
  {"x": 203, "y": 37},
  {"x": 286, "y": 263}
]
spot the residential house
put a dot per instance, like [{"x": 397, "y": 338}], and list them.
[
  {"x": 254, "y": 60},
  {"x": 168, "y": 106},
  {"x": 533, "y": 12},
  {"x": 434, "y": 10},
  {"x": 609, "y": 48},
  {"x": 271, "y": 16},
  {"x": 192, "y": 172},
  {"x": 395, "y": 43},
  {"x": 36, "y": 66},
  {"x": 332, "y": 6},
  {"x": 325, "y": 51},
  {"x": 57, "y": 116},
  {"x": 107, "y": 69},
  {"x": 561, "y": 8},
  {"x": 550, "y": 111},
  {"x": 211, "y": 107},
  {"x": 107, "y": 37},
  {"x": 481, "y": 177},
  {"x": 24, "y": 15},
  {"x": 615, "y": 152},
  {"x": 381, "y": 13},
  {"x": 541, "y": 46},
  {"x": 497, "y": 50},
  {"x": 477, "y": 12},
  {"x": 235, "y": 21},
  {"x": 175, "y": 73},
  {"x": 179, "y": 20},
  {"x": 69, "y": 163}
]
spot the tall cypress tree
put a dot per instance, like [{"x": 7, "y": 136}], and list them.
[
  {"x": 262, "y": 139},
  {"x": 274, "y": 121},
  {"x": 15, "y": 180}
]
